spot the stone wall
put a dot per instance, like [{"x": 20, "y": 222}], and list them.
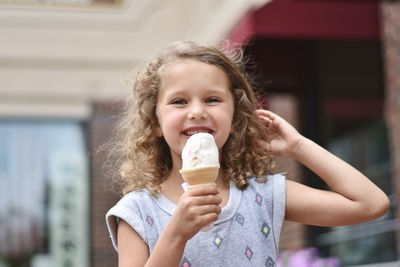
[
  {"x": 101, "y": 196},
  {"x": 390, "y": 23},
  {"x": 293, "y": 236}
]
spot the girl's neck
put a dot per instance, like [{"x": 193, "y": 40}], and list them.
[{"x": 172, "y": 186}]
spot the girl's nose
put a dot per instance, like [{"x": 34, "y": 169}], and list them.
[{"x": 197, "y": 111}]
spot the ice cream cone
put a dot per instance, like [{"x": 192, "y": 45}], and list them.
[{"x": 200, "y": 175}]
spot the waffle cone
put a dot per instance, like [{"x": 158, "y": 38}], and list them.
[{"x": 200, "y": 176}]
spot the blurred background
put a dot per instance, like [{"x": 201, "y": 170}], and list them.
[{"x": 331, "y": 68}]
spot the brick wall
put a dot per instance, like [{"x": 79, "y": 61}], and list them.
[
  {"x": 101, "y": 198},
  {"x": 293, "y": 235},
  {"x": 390, "y": 15}
]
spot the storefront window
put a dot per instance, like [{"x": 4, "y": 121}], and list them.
[
  {"x": 373, "y": 241},
  {"x": 43, "y": 195}
]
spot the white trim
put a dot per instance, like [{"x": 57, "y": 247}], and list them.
[
  {"x": 358, "y": 231},
  {"x": 387, "y": 264},
  {"x": 78, "y": 111}
]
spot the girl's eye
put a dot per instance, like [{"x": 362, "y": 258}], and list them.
[
  {"x": 213, "y": 99},
  {"x": 178, "y": 101}
]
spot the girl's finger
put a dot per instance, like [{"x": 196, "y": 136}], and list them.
[
  {"x": 207, "y": 200},
  {"x": 206, "y": 209},
  {"x": 269, "y": 114},
  {"x": 265, "y": 112},
  {"x": 201, "y": 190},
  {"x": 208, "y": 218},
  {"x": 268, "y": 121},
  {"x": 266, "y": 115}
]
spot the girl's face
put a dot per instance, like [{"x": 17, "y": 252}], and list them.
[{"x": 193, "y": 97}]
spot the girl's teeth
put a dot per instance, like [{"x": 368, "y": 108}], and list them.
[{"x": 196, "y": 132}]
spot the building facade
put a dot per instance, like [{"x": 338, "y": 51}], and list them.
[
  {"x": 335, "y": 66},
  {"x": 332, "y": 68}
]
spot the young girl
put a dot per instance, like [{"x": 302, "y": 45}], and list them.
[{"x": 189, "y": 89}]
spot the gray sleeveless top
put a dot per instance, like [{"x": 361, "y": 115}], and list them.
[{"x": 246, "y": 233}]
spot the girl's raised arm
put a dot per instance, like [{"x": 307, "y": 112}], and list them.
[{"x": 353, "y": 199}]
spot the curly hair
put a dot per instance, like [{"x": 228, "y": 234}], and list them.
[{"x": 143, "y": 159}]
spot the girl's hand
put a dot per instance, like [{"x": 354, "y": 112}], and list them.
[
  {"x": 197, "y": 208},
  {"x": 286, "y": 139}
]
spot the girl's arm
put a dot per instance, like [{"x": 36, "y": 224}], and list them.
[
  {"x": 197, "y": 208},
  {"x": 133, "y": 251},
  {"x": 353, "y": 199}
]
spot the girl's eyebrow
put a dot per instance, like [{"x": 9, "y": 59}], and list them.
[
  {"x": 216, "y": 89},
  {"x": 175, "y": 92},
  {"x": 186, "y": 91}
]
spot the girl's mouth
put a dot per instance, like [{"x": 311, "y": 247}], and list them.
[{"x": 195, "y": 130}]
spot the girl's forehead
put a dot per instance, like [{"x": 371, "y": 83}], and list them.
[
  {"x": 193, "y": 72},
  {"x": 181, "y": 62},
  {"x": 190, "y": 66}
]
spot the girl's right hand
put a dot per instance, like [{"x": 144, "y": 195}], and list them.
[{"x": 196, "y": 208}]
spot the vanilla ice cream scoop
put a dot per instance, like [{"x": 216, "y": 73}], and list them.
[
  {"x": 200, "y": 151},
  {"x": 200, "y": 160}
]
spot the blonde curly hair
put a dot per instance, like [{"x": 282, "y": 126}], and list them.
[{"x": 143, "y": 159}]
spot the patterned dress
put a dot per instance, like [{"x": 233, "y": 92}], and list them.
[{"x": 246, "y": 233}]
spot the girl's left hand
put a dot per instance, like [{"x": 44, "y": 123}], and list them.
[{"x": 286, "y": 139}]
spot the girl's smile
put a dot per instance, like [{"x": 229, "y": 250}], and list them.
[{"x": 197, "y": 129}]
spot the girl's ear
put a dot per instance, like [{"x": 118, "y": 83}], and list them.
[{"x": 158, "y": 132}]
